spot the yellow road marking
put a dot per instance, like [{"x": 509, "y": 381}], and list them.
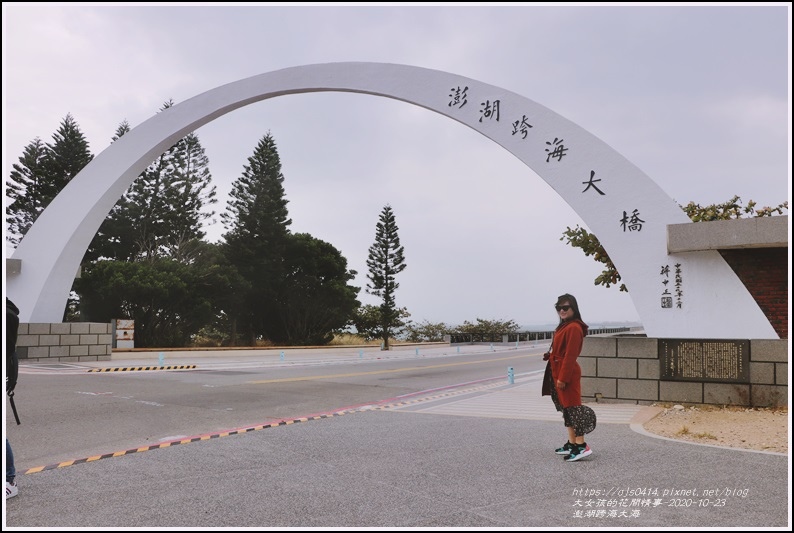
[{"x": 407, "y": 369}]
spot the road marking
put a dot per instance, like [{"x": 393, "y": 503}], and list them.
[
  {"x": 520, "y": 399},
  {"x": 393, "y": 371},
  {"x": 125, "y": 369}
]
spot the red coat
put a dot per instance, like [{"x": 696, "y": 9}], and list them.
[{"x": 565, "y": 349}]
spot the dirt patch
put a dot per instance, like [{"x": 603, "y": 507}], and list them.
[{"x": 763, "y": 429}]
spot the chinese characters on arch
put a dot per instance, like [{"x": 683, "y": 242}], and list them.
[
  {"x": 678, "y": 292},
  {"x": 520, "y": 124}
]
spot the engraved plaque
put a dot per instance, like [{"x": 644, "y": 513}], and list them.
[{"x": 717, "y": 360}]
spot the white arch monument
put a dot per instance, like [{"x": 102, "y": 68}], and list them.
[{"x": 684, "y": 295}]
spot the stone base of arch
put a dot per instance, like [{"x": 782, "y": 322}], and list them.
[
  {"x": 64, "y": 342},
  {"x": 627, "y": 370}
]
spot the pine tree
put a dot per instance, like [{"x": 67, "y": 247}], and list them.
[
  {"x": 43, "y": 172},
  {"x": 158, "y": 221},
  {"x": 386, "y": 260},
  {"x": 23, "y": 190},
  {"x": 257, "y": 222},
  {"x": 162, "y": 213},
  {"x": 66, "y": 156},
  {"x": 188, "y": 193}
]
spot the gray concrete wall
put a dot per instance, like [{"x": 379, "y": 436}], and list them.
[
  {"x": 64, "y": 342},
  {"x": 756, "y": 232},
  {"x": 626, "y": 370}
]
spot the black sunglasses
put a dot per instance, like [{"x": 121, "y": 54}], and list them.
[{"x": 562, "y": 308}]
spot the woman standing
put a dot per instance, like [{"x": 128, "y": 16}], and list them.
[{"x": 566, "y": 345}]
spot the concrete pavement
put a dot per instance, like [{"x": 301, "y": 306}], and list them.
[{"x": 476, "y": 457}]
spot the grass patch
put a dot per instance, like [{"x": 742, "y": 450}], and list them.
[{"x": 683, "y": 431}]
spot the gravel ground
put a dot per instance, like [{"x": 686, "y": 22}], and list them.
[{"x": 762, "y": 429}]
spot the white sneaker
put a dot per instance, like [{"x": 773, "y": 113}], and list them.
[{"x": 11, "y": 490}]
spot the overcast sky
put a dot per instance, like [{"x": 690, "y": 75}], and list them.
[{"x": 697, "y": 97}]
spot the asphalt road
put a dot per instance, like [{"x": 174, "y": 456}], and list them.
[
  {"x": 428, "y": 439},
  {"x": 107, "y": 406}
]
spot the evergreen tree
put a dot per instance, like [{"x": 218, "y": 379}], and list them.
[
  {"x": 67, "y": 155},
  {"x": 163, "y": 211},
  {"x": 23, "y": 191},
  {"x": 188, "y": 193},
  {"x": 158, "y": 221},
  {"x": 257, "y": 223},
  {"x": 147, "y": 206},
  {"x": 44, "y": 171},
  {"x": 386, "y": 260}
]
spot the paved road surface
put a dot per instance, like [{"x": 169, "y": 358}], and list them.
[{"x": 477, "y": 457}]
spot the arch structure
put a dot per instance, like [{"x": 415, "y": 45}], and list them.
[{"x": 678, "y": 295}]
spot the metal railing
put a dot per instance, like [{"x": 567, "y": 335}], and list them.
[{"x": 526, "y": 336}]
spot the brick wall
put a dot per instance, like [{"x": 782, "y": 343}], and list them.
[
  {"x": 68, "y": 341},
  {"x": 764, "y": 271},
  {"x": 626, "y": 370}
]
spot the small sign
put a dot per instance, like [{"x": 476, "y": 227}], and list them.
[
  {"x": 717, "y": 360},
  {"x": 125, "y": 333}
]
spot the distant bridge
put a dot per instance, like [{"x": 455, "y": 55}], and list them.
[{"x": 526, "y": 336}]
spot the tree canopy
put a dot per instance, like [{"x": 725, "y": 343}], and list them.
[
  {"x": 163, "y": 210},
  {"x": 42, "y": 172},
  {"x": 315, "y": 299},
  {"x": 149, "y": 261}
]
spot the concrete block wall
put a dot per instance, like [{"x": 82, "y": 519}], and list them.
[
  {"x": 626, "y": 370},
  {"x": 63, "y": 342}
]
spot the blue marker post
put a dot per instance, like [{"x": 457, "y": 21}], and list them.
[
  {"x": 510, "y": 375},
  {"x": 281, "y": 356},
  {"x": 417, "y": 351},
  {"x": 361, "y": 354},
  {"x": 491, "y": 346},
  {"x": 162, "y": 358},
  {"x": 458, "y": 349}
]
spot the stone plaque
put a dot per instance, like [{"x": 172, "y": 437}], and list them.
[{"x": 719, "y": 360}]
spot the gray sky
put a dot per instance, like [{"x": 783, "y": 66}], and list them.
[{"x": 698, "y": 97}]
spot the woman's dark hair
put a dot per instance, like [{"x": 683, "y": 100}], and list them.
[{"x": 569, "y": 299}]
